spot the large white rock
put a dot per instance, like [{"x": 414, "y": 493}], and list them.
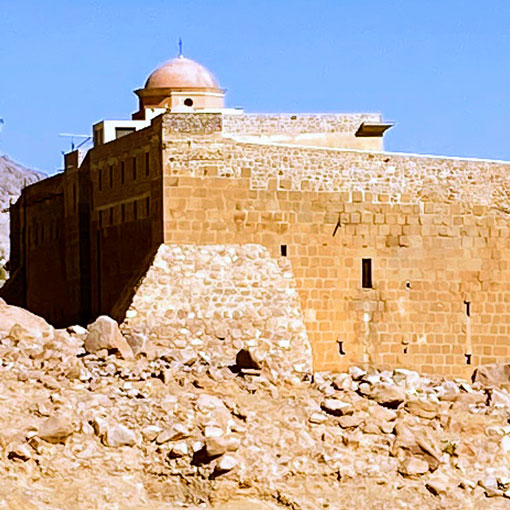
[{"x": 104, "y": 333}]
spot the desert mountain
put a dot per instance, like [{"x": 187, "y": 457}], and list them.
[{"x": 13, "y": 178}]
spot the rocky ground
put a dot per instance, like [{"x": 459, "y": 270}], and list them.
[{"x": 94, "y": 419}]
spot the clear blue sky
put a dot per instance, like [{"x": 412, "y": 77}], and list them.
[{"x": 439, "y": 68}]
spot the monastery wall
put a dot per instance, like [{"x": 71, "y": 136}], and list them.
[
  {"x": 211, "y": 301},
  {"x": 435, "y": 229},
  {"x": 427, "y": 264},
  {"x": 125, "y": 217}
]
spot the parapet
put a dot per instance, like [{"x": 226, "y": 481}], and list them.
[
  {"x": 348, "y": 131},
  {"x": 296, "y": 124}
]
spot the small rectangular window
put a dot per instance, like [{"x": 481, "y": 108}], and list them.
[
  {"x": 120, "y": 132},
  {"x": 100, "y": 183},
  {"x": 366, "y": 273},
  {"x": 134, "y": 168},
  {"x": 111, "y": 176},
  {"x": 283, "y": 250},
  {"x": 147, "y": 167},
  {"x": 122, "y": 173}
]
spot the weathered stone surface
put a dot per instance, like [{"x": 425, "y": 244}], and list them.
[
  {"x": 56, "y": 429},
  {"x": 350, "y": 422},
  {"x": 22, "y": 324},
  {"x": 104, "y": 333},
  {"x": 219, "y": 301},
  {"x": 413, "y": 466},
  {"x": 422, "y": 408},
  {"x": 205, "y": 435},
  {"x": 119, "y": 435},
  {"x": 337, "y": 407},
  {"x": 387, "y": 395},
  {"x": 497, "y": 374}
]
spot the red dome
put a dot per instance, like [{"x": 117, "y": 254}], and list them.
[{"x": 181, "y": 73}]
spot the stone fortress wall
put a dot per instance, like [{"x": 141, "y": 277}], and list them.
[
  {"x": 212, "y": 301},
  {"x": 435, "y": 229}
]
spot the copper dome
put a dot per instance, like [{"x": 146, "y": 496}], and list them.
[{"x": 181, "y": 73}]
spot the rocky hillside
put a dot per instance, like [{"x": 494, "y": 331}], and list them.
[
  {"x": 93, "y": 418},
  {"x": 13, "y": 177}
]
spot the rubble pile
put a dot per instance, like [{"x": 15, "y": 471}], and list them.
[{"x": 94, "y": 419}]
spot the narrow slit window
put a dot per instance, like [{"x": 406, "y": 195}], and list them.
[
  {"x": 147, "y": 161},
  {"x": 148, "y": 206},
  {"x": 468, "y": 308},
  {"x": 123, "y": 212},
  {"x": 134, "y": 168},
  {"x": 100, "y": 179},
  {"x": 366, "y": 273},
  {"x": 283, "y": 250},
  {"x": 111, "y": 176},
  {"x": 122, "y": 173},
  {"x": 111, "y": 215},
  {"x": 135, "y": 210}
]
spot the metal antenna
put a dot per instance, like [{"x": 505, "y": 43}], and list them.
[
  {"x": 180, "y": 48},
  {"x": 73, "y": 136}
]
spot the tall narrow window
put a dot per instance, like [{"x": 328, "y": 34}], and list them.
[
  {"x": 100, "y": 218},
  {"x": 147, "y": 167},
  {"x": 366, "y": 273},
  {"x": 134, "y": 168},
  {"x": 148, "y": 206},
  {"x": 111, "y": 215},
  {"x": 100, "y": 179},
  {"x": 135, "y": 210},
  {"x": 111, "y": 176},
  {"x": 123, "y": 212},
  {"x": 122, "y": 173},
  {"x": 283, "y": 250}
]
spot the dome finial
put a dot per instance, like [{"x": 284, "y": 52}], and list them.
[{"x": 180, "y": 48}]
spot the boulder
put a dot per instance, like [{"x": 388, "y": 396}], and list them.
[
  {"x": 56, "y": 429},
  {"x": 139, "y": 343},
  {"x": 497, "y": 374},
  {"x": 422, "y": 408},
  {"x": 350, "y": 422},
  {"x": 104, "y": 333},
  {"x": 413, "y": 466},
  {"x": 179, "y": 449},
  {"x": 174, "y": 433},
  {"x": 28, "y": 324},
  {"x": 20, "y": 451},
  {"x": 225, "y": 464},
  {"x": 387, "y": 395},
  {"x": 119, "y": 435},
  {"x": 416, "y": 441},
  {"x": 498, "y": 398},
  {"x": 337, "y": 407}
]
